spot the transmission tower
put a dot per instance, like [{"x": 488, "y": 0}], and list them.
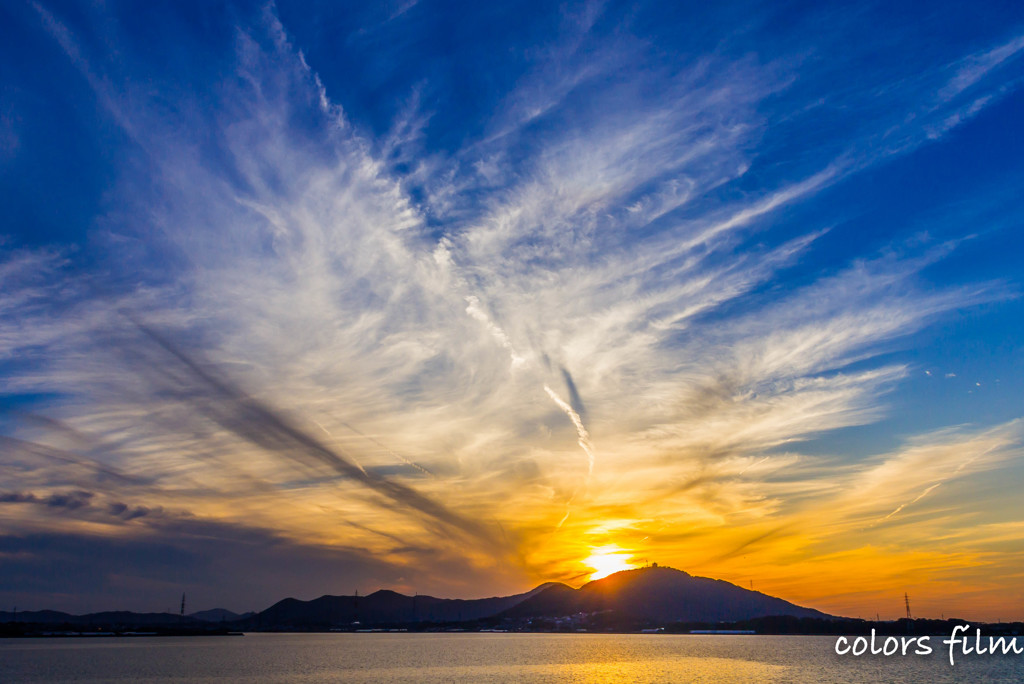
[{"x": 906, "y": 600}]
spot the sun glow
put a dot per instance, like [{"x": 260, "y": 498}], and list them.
[{"x": 606, "y": 560}]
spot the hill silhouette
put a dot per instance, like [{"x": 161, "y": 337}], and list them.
[
  {"x": 109, "y": 617},
  {"x": 219, "y": 615},
  {"x": 383, "y": 607}
]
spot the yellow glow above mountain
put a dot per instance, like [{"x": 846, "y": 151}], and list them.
[{"x": 606, "y": 560}]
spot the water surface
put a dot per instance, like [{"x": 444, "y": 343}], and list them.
[{"x": 486, "y": 658}]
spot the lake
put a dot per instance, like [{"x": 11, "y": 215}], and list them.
[{"x": 480, "y": 657}]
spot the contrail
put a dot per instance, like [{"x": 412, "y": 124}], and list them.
[
  {"x": 329, "y": 434},
  {"x": 584, "y": 442},
  {"x": 398, "y": 456},
  {"x": 581, "y": 431},
  {"x": 751, "y": 465},
  {"x": 927, "y": 491},
  {"x": 479, "y": 314},
  {"x": 910, "y": 503}
]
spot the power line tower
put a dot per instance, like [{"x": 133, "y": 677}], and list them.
[{"x": 906, "y": 601}]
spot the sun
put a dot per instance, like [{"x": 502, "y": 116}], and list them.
[{"x": 606, "y": 560}]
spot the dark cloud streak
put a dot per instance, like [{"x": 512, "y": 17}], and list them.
[
  {"x": 259, "y": 423},
  {"x": 14, "y": 445},
  {"x": 748, "y": 543},
  {"x": 71, "y": 501},
  {"x": 575, "y": 400}
]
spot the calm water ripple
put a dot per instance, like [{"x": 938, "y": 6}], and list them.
[{"x": 485, "y": 658}]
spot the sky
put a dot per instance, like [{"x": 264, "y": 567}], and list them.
[{"x": 309, "y": 298}]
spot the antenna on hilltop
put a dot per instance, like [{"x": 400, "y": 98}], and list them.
[
  {"x": 183, "y": 604},
  {"x": 906, "y": 600}
]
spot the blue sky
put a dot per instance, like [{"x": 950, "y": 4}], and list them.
[{"x": 443, "y": 298}]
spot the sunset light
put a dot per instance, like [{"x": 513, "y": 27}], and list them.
[
  {"x": 457, "y": 300},
  {"x": 607, "y": 560}
]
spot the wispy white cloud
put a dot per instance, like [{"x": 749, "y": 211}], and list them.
[{"x": 973, "y": 68}]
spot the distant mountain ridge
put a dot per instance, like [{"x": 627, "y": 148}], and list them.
[
  {"x": 123, "y": 617},
  {"x": 658, "y": 594},
  {"x": 655, "y": 594},
  {"x": 381, "y": 607}
]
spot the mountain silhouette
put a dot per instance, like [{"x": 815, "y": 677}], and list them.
[
  {"x": 660, "y": 594},
  {"x": 655, "y": 594}
]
